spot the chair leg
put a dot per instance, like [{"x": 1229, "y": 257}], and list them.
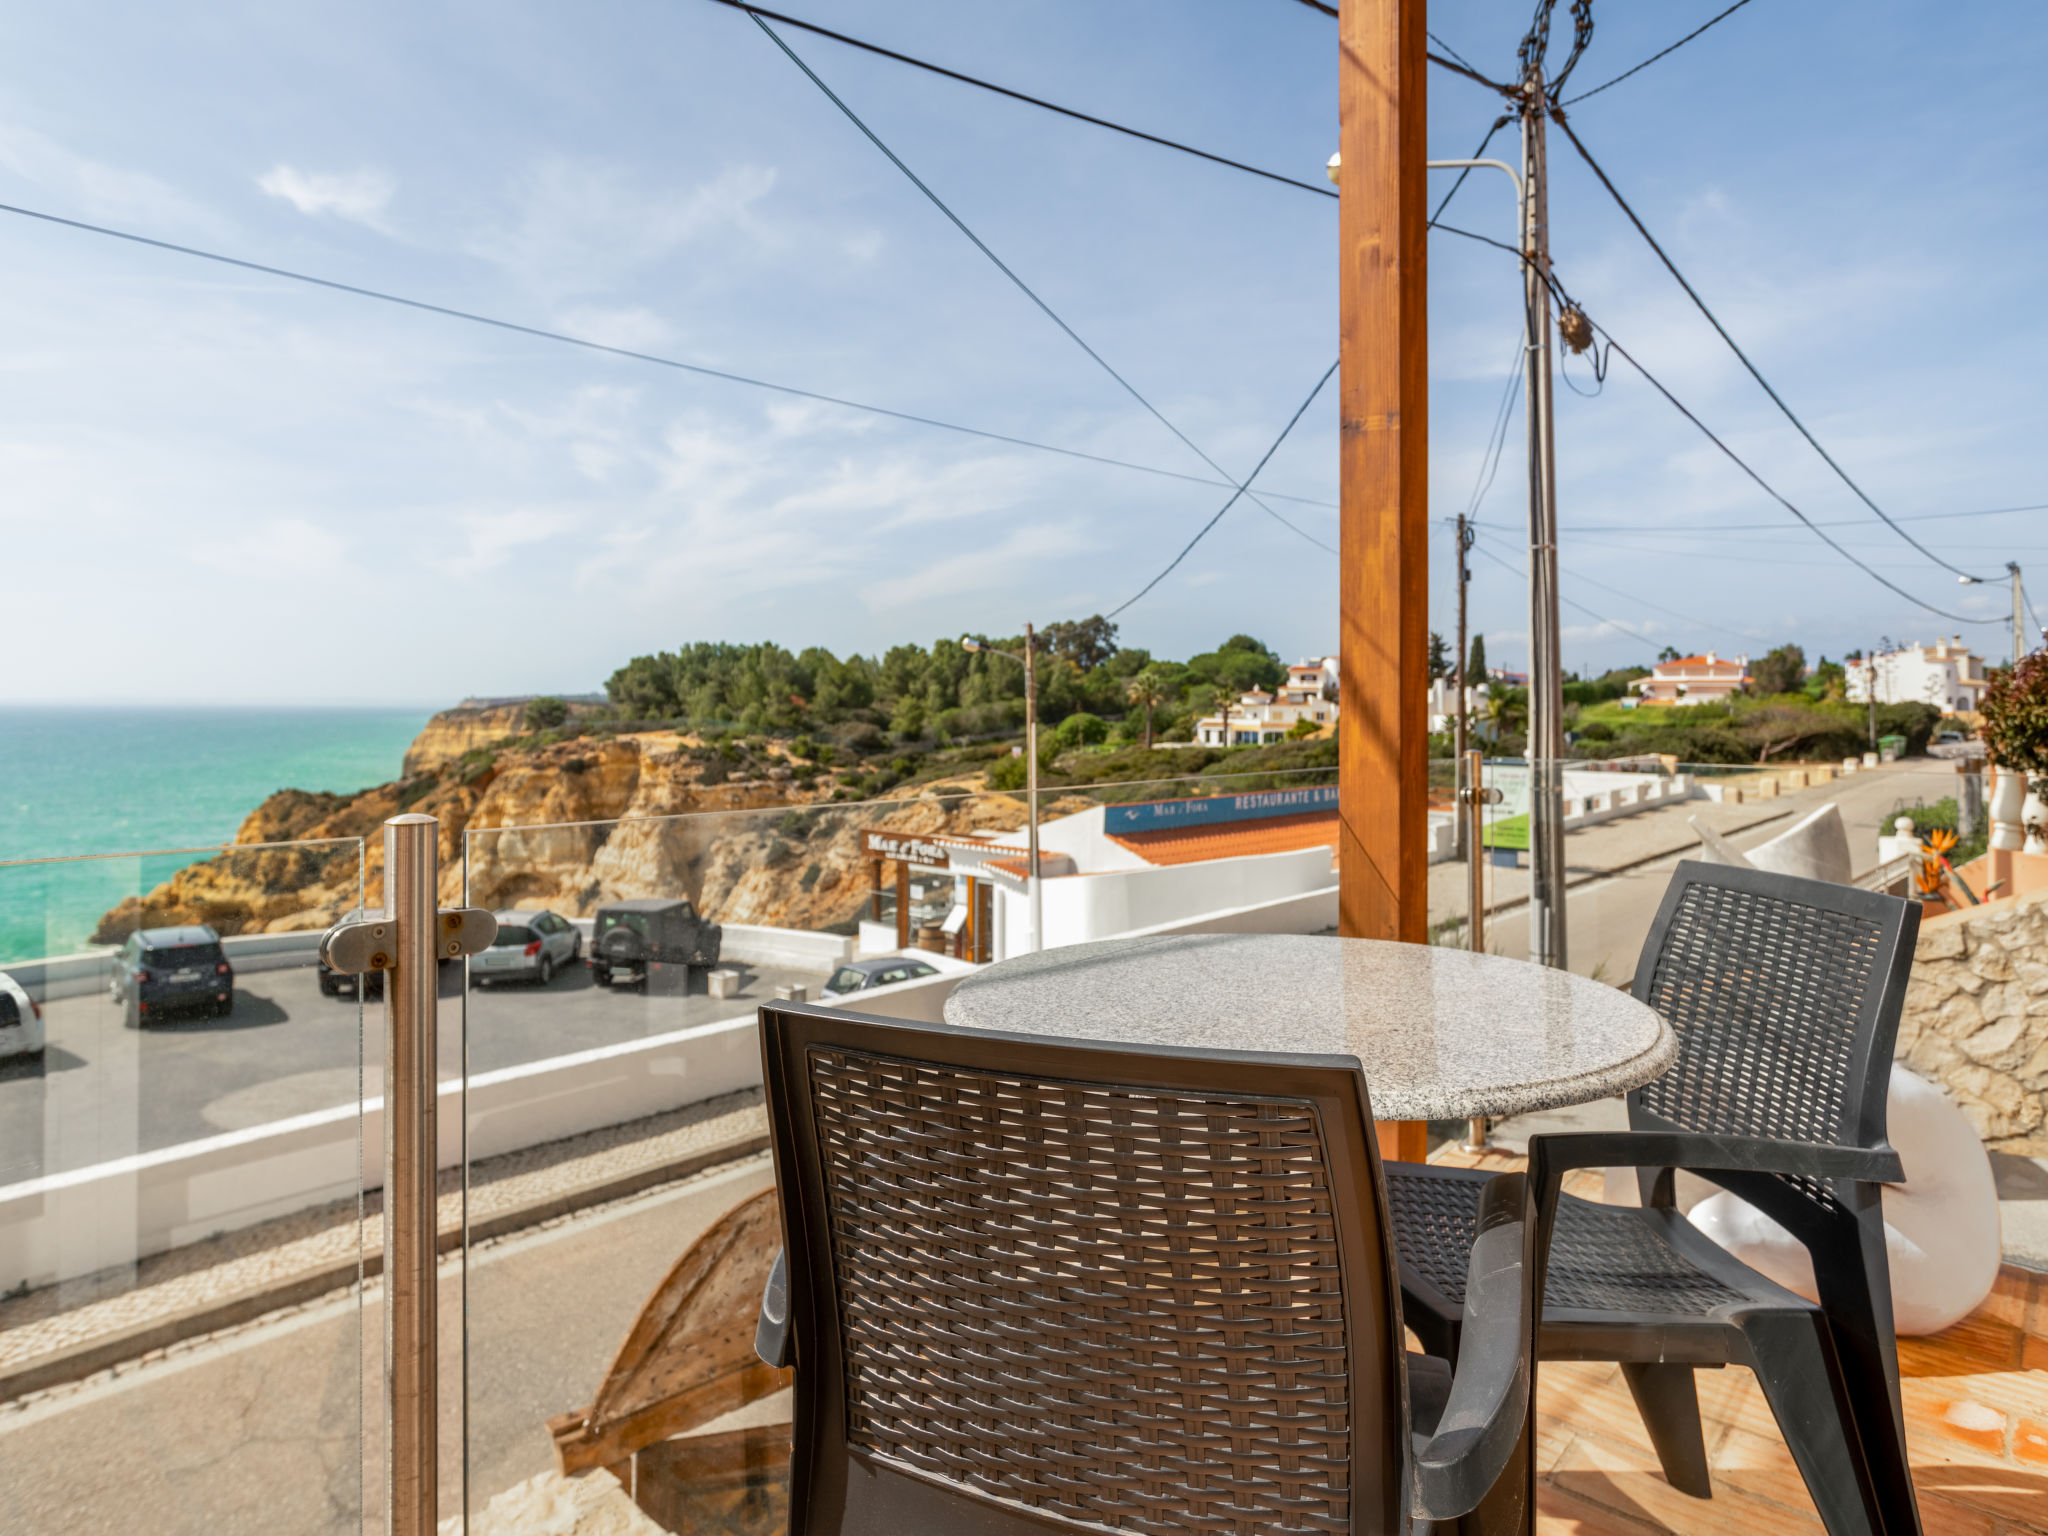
[
  {"x": 1670, "y": 1407},
  {"x": 1859, "y": 1317},
  {"x": 1795, "y": 1365}
]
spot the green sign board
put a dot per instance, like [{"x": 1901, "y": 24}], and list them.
[{"x": 1507, "y": 823}]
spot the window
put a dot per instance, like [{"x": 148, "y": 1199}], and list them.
[
  {"x": 180, "y": 957},
  {"x": 846, "y": 979},
  {"x": 512, "y": 936},
  {"x": 894, "y": 973}
]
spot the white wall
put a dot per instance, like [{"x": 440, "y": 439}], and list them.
[{"x": 1081, "y": 908}]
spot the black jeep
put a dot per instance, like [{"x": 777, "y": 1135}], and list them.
[{"x": 629, "y": 937}]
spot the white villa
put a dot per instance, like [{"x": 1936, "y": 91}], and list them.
[
  {"x": 1946, "y": 674},
  {"x": 1258, "y": 717}
]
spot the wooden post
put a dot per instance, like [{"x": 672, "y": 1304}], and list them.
[
  {"x": 902, "y": 904},
  {"x": 1383, "y": 595}
]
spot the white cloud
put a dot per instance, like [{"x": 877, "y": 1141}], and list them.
[
  {"x": 493, "y": 537},
  {"x": 359, "y": 196},
  {"x": 281, "y": 544}
]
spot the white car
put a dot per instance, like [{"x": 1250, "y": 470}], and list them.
[{"x": 21, "y": 1020}]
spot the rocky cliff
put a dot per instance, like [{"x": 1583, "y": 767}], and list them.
[
  {"x": 568, "y": 826},
  {"x": 469, "y": 726}
]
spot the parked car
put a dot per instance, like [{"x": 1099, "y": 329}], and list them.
[
  {"x": 168, "y": 970},
  {"x": 333, "y": 983},
  {"x": 21, "y": 1020},
  {"x": 860, "y": 975},
  {"x": 629, "y": 936},
  {"x": 530, "y": 946}
]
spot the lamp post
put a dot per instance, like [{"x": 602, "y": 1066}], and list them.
[{"x": 1031, "y": 874}]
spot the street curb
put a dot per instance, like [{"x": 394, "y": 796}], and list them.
[{"x": 76, "y": 1362}]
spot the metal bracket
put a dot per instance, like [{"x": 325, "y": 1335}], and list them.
[
  {"x": 371, "y": 942},
  {"x": 1471, "y": 795}
]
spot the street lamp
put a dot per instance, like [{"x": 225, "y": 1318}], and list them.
[
  {"x": 2019, "y": 629},
  {"x": 1031, "y": 875}
]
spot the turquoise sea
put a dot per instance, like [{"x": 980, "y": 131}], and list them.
[{"x": 129, "y": 781}]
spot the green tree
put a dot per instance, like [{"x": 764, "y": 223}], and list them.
[
  {"x": 1087, "y": 643},
  {"x": 544, "y": 714},
  {"x": 1439, "y": 657},
  {"x": 1669, "y": 653},
  {"x": 1475, "y": 662},
  {"x": 1146, "y": 691},
  {"x": 1781, "y": 670}
]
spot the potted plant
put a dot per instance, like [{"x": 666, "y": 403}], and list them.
[{"x": 2015, "y": 732}]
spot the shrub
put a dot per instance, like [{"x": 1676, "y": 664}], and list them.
[
  {"x": 2015, "y": 711},
  {"x": 544, "y": 714},
  {"x": 1596, "y": 730},
  {"x": 1081, "y": 729},
  {"x": 1007, "y": 773}
]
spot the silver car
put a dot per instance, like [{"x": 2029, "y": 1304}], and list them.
[
  {"x": 530, "y": 946},
  {"x": 21, "y": 1020}
]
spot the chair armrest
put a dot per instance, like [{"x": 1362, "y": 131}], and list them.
[
  {"x": 1482, "y": 1422},
  {"x": 1722, "y": 1154},
  {"x": 771, "y": 1333}
]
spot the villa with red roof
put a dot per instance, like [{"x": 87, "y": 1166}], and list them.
[{"x": 1704, "y": 679}]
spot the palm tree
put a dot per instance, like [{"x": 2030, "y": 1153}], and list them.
[{"x": 1147, "y": 691}]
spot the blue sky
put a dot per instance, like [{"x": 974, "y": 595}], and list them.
[{"x": 226, "y": 487}]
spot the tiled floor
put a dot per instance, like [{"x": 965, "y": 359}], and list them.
[{"x": 1976, "y": 1430}]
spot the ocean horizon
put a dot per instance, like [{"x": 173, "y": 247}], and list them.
[{"x": 78, "y": 783}]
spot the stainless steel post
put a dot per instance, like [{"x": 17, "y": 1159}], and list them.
[
  {"x": 1546, "y": 675},
  {"x": 411, "y": 876},
  {"x": 1466, "y": 848},
  {"x": 1474, "y": 822},
  {"x": 1032, "y": 874}
]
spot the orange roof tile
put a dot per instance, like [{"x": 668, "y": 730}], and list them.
[{"x": 1233, "y": 840}]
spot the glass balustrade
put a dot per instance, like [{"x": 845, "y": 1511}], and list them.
[{"x": 186, "y": 1339}]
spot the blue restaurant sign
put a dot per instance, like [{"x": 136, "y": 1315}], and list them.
[{"x": 1215, "y": 810}]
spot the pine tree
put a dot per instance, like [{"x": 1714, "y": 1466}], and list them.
[
  {"x": 1475, "y": 663},
  {"x": 1439, "y": 657}
]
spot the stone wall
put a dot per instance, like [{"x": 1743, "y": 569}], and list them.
[{"x": 1976, "y": 1017}]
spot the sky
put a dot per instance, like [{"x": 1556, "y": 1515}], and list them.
[{"x": 226, "y": 487}]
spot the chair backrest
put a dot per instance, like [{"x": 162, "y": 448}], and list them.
[
  {"x": 1039, "y": 1284},
  {"x": 1785, "y": 996}
]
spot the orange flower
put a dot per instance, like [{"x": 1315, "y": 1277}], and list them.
[
  {"x": 1928, "y": 879},
  {"x": 1941, "y": 840}
]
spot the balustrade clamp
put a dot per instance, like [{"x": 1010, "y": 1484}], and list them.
[{"x": 408, "y": 941}]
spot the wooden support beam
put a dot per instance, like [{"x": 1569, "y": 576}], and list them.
[
  {"x": 1383, "y": 599},
  {"x": 1383, "y": 592}
]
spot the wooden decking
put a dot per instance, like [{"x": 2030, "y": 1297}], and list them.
[{"x": 1976, "y": 1429}]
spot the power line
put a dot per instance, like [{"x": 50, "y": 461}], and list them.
[
  {"x": 1636, "y": 597},
  {"x": 1653, "y": 58},
  {"x": 1317, "y": 5},
  {"x": 1029, "y": 100},
  {"x": 1022, "y": 287},
  {"x": 1852, "y": 522},
  {"x": 1497, "y": 434},
  {"x": 1737, "y": 459},
  {"x": 1240, "y": 491},
  {"x": 1778, "y": 400},
  {"x": 588, "y": 345},
  {"x": 1568, "y": 602}
]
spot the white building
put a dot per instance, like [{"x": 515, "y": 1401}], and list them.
[
  {"x": 1258, "y": 717},
  {"x": 1946, "y": 674},
  {"x": 1443, "y": 703}
]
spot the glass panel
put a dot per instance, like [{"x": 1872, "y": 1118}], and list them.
[{"x": 181, "y": 1207}]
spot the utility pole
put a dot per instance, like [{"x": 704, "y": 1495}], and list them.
[
  {"x": 1466, "y": 533},
  {"x": 2019, "y": 629},
  {"x": 1870, "y": 693},
  {"x": 1546, "y": 676}
]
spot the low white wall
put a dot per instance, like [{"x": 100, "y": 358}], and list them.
[
  {"x": 76, "y": 975},
  {"x": 1082, "y": 908},
  {"x": 797, "y": 948}
]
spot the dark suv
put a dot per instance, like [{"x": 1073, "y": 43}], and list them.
[
  {"x": 629, "y": 937},
  {"x": 164, "y": 970}
]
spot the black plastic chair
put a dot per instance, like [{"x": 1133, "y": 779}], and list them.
[
  {"x": 1037, "y": 1285},
  {"x": 1785, "y": 997}
]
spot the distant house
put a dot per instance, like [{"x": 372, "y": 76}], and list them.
[
  {"x": 1946, "y": 674},
  {"x": 1704, "y": 679},
  {"x": 1258, "y": 717}
]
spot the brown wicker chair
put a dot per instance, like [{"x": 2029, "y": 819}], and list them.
[{"x": 1039, "y": 1285}]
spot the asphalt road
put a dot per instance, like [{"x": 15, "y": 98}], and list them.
[
  {"x": 103, "y": 1091},
  {"x": 264, "y": 1431}
]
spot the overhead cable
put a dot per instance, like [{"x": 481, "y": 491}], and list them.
[
  {"x": 1683, "y": 529},
  {"x": 1203, "y": 531},
  {"x": 1653, "y": 58},
  {"x": 1029, "y": 100},
  {"x": 1738, "y": 461},
  {"x": 586, "y": 344},
  {"x": 1506, "y": 565},
  {"x": 1022, "y": 287},
  {"x": 1635, "y": 597},
  {"x": 1776, "y": 399}
]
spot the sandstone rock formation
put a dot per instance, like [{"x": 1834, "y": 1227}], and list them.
[{"x": 567, "y": 826}]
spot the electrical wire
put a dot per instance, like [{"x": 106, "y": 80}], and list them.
[
  {"x": 1739, "y": 462},
  {"x": 1634, "y": 597},
  {"x": 1203, "y": 532},
  {"x": 1776, "y": 399},
  {"x": 1022, "y": 287},
  {"x": 658, "y": 361},
  {"x": 1497, "y": 434},
  {"x": 1464, "y": 171},
  {"x": 1029, "y": 100},
  {"x": 1317, "y": 5},
  {"x": 1568, "y": 602},
  {"x": 1681, "y": 529},
  {"x": 1653, "y": 58}
]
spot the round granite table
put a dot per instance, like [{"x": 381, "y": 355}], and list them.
[{"x": 1442, "y": 1034}]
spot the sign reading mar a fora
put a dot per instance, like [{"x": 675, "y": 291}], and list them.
[
  {"x": 1216, "y": 810},
  {"x": 908, "y": 847}
]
